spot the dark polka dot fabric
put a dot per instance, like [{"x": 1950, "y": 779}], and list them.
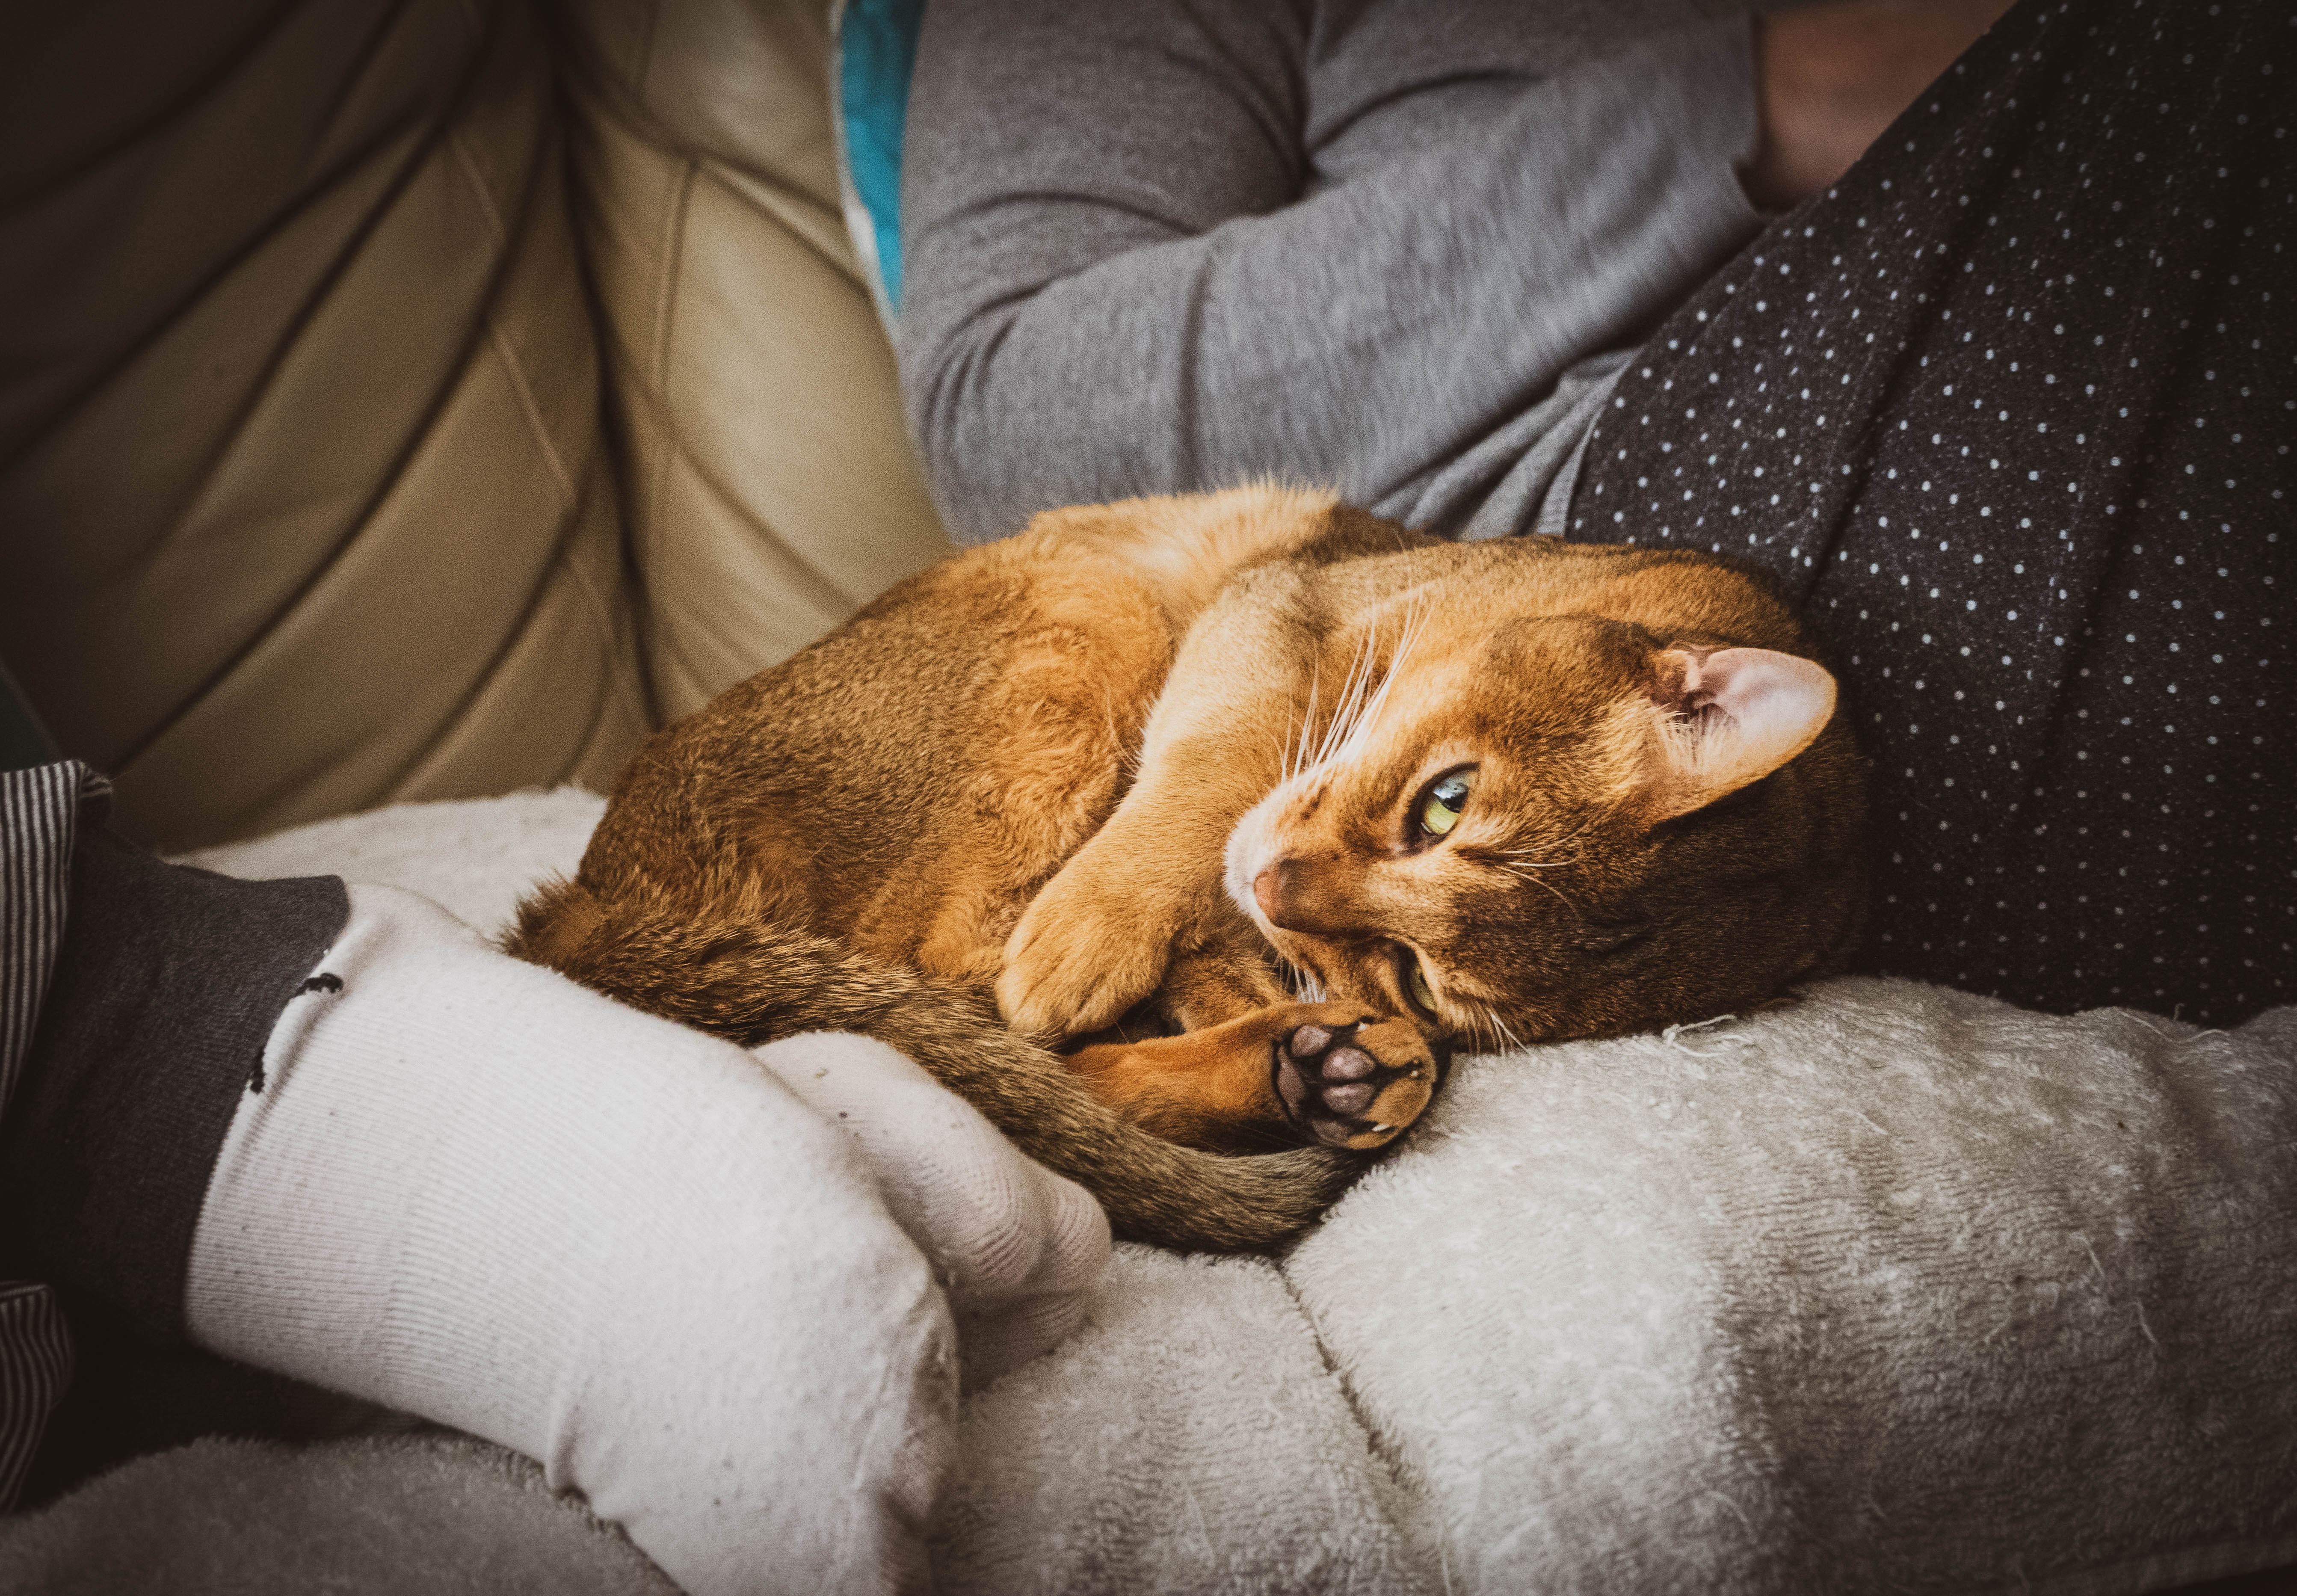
[{"x": 2010, "y": 412}]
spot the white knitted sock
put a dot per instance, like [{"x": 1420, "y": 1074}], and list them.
[
  {"x": 1016, "y": 1244},
  {"x": 473, "y": 1190}
]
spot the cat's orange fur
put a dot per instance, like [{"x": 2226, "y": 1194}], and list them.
[{"x": 1102, "y": 770}]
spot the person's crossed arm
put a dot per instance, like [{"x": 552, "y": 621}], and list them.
[
  {"x": 1392, "y": 247},
  {"x": 1168, "y": 245}
]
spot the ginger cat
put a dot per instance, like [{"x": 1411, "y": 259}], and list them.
[{"x": 1320, "y": 795}]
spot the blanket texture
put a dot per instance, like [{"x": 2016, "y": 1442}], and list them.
[
  {"x": 437, "y": 1513},
  {"x": 1897, "y": 1290}
]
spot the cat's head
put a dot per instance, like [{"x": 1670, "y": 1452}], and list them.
[{"x": 1563, "y": 826}]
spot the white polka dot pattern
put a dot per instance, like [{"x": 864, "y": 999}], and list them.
[{"x": 2010, "y": 410}]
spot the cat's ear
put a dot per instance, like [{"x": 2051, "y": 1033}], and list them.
[{"x": 1728, "y": 717}]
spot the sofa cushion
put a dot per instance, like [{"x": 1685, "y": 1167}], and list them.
[
  {"x": 303, "y": 502},
  {"x": 768, "y": 485},
  {"x": 314, "y": 492}
]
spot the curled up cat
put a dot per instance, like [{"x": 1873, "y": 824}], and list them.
[{"x": 1177, "y": 830}]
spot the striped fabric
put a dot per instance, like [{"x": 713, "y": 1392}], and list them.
[
  {"x": 35, "y": 1365},
  {"x": 40, "y": 814}
]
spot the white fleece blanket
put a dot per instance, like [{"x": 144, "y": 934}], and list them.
[{"x": 1898, "y": 1289}]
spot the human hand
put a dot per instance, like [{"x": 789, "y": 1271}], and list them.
[
  {"x": 1829, "y": 79},
  {"x": 1016, "y": 1246}
]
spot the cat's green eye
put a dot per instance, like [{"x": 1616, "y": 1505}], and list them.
[
  {"x": 1415, "y": 979},
  {"x": 1439, "y": 811}
]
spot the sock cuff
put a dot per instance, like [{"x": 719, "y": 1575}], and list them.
[{"x": 167, "y": 982}]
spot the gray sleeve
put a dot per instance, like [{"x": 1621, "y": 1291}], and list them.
[{"x": 1124, "y": 274}]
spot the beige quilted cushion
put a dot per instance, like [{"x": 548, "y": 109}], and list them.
[
  {"x": 307, "y": 501},
  {"x": 771, "y": 490},
  {"x": 303, "y": 505}
]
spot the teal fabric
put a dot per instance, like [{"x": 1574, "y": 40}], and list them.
[
  {"x": 23, "y": 740},
  {"x": 876, "y": 47}
]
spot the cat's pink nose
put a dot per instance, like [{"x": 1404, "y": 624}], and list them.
[
  {"x": 1296, "y": 894},
  {"x": 1288, "y": 896},
  {"x": 1268, "y": 892}
]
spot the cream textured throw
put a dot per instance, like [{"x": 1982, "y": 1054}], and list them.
[
  {"x": 1901, "y": 1289},
  {"x": 1896, "y": 1290}
]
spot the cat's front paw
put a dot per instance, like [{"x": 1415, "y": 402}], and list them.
[
  {"x": 1355, "y": 1083},
  {"x": 1080, "y": 958}
]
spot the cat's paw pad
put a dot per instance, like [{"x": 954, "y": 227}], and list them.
[{"x": 1357, "y": 1083}]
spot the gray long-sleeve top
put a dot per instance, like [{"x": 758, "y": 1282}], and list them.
[{"x": 1401, "y": 247}]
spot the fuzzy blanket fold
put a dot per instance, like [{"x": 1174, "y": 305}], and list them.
[{"x": 1898, "y": 1289}]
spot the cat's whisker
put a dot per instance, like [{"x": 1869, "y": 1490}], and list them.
[
  {"x": 1314, "y": 759},
  {"x": 1580, "y": 832},
  {"x": 1351, "y": 711},
  {"x": 1307, "y": 727},
  {"x": 1535, "y": 860},
  {"x": 1345, "y": 712},
  {"x": 1128, "y": 750},
  {"x": 1502, "y": 1033},
  {"x": 1305, "y": 986},
  {"x": 1307, "y": 722},
  {"x": 1479, "y": 1028},
  {"x": 1516, "y": 863},
  {"x": 1518, "y": 872},
  {"x": 1368, "y": 717}
]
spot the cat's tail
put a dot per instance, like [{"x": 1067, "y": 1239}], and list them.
[{"x": 752, "y": 982}]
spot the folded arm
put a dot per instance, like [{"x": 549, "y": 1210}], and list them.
[{"x": 1141, "y": 255}]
